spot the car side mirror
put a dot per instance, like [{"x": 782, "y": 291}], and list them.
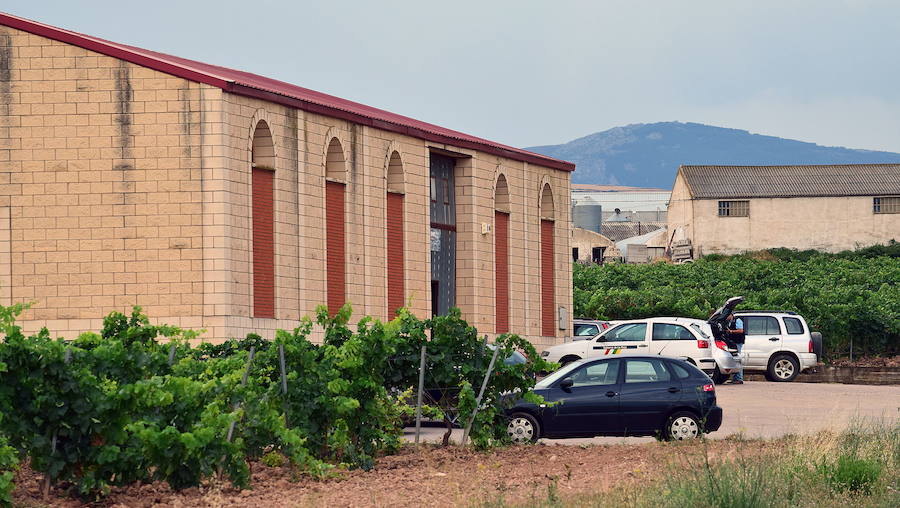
[{"x": 566, "y": 384}]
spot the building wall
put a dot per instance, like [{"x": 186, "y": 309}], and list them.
[
  {"x": 823, "y": 223},
  {"x": 680, "y": 212},
  {"x": 585, "y": 240},
  {"x": 100, "y": 188},
  {"x": 124, "y": 186}
]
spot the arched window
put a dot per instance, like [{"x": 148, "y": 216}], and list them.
[
  {"x": 394, "y": 240},
  {"x": 263, "y": 216},
  {"x": 501, "y": 255},
  {"x": 335, "y": 227},
  {"x": 548, "y": 284}
]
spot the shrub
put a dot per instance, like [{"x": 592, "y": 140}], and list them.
[{"x": 851, "y": 474}]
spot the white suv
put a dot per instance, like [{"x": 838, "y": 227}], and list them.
[
  {"x": 778, "y": 343},
  {"x": 685, "y": 338}
]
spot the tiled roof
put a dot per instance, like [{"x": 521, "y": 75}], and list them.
[
  {"x": 253, "y": 85},
  {"x": 712, "y": 182},
  {"x": 618, "y": 231}
]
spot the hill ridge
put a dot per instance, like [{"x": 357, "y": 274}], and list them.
[{"x": 649, "y": 154}]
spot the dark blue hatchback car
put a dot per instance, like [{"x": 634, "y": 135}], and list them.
[{"x": 624, "y": 396}]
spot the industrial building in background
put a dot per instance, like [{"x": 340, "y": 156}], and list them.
[
  {"x": 223, "y": 200},
  {"x": 618, "y": 217},
  {"x": 734, "y": 209}
]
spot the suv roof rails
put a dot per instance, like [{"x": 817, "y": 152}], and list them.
[{"x": 790, "y": 312}]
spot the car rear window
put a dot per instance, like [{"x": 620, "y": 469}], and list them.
[
  {"x": 646, "y": 371},
  {"x": 680, "y": 371},
  {"x": 793, "y": 325},
  {"x": 666, "y": 331}
]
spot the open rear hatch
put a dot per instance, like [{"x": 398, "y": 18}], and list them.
[{"x": 720, "y": 316}]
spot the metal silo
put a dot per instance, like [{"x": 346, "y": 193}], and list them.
[{"x": 587, "y": 215}]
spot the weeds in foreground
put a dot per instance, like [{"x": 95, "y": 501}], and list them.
[{"x": 859, "y": 467}]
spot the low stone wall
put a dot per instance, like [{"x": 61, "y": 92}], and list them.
[{"x": 846, "y": 375}]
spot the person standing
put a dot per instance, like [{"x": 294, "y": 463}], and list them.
[{"x": 734, "y": 328}]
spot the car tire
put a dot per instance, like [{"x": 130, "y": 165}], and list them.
[
  {"x": 717, "y": 376},
  {"x": 523, "y": 428},
  {"x": 783, "y": 368},
  {"x": 682, "y": 425},
  {"x": 567, "y": 360}
]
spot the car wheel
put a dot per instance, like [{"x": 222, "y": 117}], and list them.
[
  {"x": 719, "y": 378},
  {"x": 783, "y": 368},
  {"x": 567, "y": 360},
  {"x": 682, "y": 425},
  {"x": 523, "y": 428}
]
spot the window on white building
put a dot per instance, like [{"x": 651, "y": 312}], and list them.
[
  {"x": 734, "y": 208},
  {"x": 889, "y": 204}
]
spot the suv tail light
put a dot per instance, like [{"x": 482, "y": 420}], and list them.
[
  {"x": 702, "y": 343},
  {"x": 709, "y": 387},
  {"x": 605, "y": 326},
  {"x": 811, "y": 350},
  {"x": 721, "y": 345}
]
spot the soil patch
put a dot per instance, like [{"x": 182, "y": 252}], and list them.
[{"x": 424, "y": 476}]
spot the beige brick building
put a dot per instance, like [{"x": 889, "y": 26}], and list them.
[
  {"x": 223, "y": 200},
  {"x": 734, "y": 209}
]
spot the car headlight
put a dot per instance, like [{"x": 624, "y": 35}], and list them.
[{"x": 545, "y": 353}]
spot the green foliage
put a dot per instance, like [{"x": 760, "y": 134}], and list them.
[
  {"x": 457, "y": 361},
  {"x": 851, "y": 474},
  {"x": 137, "y": 402},
  {"x": 852, "y": 295},
  {"x": 9, "y": 461},
  {"x": 273, "y": 459},
  {"x": 405, "y": 406}
]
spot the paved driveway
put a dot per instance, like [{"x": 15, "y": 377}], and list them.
[{"x": 760, "y": 409}]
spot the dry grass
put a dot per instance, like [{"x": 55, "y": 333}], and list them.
[{"x": 857, "y": 468}]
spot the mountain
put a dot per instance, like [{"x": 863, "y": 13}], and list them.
[{"x": 648, "y": 155}]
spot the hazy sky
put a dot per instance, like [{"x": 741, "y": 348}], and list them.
[{"x": 544, "y": 72}]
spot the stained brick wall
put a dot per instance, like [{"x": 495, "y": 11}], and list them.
[{"x": 100, "y": 177}]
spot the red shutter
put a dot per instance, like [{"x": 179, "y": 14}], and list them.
[
  {"x": 334, "y": 245},
  {"x": 395, "y": 282},
  {"x": 501, "y": 271},
  {"x": 263, "y": 244},
  {"x": 548, "y": 287}
]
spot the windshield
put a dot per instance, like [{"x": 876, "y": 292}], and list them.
[{"x": 561, "y": 373}]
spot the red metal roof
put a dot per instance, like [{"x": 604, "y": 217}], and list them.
[{"x": 253, "y": 85}]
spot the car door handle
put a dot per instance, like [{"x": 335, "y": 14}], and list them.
[
  {"x": 611, "y": 394},
  {"x": 773, "y": 339},
  {"x": 673, "y": 389},
  {"x": 642, "y": 345}
]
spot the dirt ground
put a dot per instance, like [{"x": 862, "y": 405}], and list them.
[
  {"x": 434, "y": 476},
  {"x": 869, "y": 361},
  {"x": 427, "y": 476}
]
